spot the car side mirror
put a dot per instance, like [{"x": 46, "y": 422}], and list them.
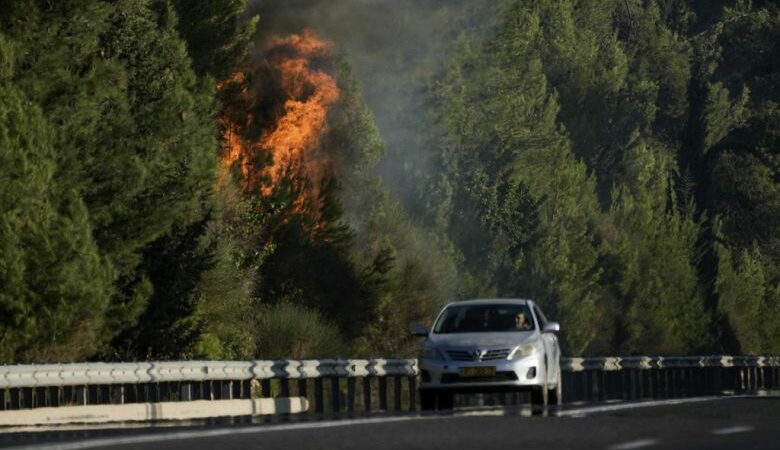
[
  {"x": 552, "y": 327},
  {"x": 419, "y": 330}
]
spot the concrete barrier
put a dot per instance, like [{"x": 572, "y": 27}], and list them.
[{"x": 137, "y": 412}]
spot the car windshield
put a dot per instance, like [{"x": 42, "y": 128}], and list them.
[{"x": 484, "y": 318}]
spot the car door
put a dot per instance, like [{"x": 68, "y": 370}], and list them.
[{"x": 551, "y": 347}]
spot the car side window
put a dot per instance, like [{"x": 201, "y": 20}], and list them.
[{"x": 540, "y": 317}]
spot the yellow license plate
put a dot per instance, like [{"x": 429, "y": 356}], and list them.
[{"x": 477, "y": 371}]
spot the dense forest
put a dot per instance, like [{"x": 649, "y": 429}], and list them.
[{"x": 236, "y": 179}]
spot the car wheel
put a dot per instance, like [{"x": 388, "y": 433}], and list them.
[
  {"x": 556, "y": 393},
  {"x": 540, "y": 395},
  {"x": 427, "y": 400}
]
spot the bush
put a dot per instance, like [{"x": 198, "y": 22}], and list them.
[{"x": 290, "y": 331}]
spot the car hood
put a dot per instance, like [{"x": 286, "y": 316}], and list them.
[{"x": 501, "y": 339}]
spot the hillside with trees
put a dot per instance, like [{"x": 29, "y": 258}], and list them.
[{"x": 235, "y": 180}]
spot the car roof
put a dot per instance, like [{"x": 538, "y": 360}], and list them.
[{"x": 502, "y": 301}]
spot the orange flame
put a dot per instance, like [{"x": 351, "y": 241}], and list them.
[{"x": 293, "y": 140}]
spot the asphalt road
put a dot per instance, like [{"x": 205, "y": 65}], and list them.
[{"x": 731, "y": 423}]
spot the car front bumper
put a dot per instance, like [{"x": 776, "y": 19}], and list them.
[{"x": 517, "y": 374}]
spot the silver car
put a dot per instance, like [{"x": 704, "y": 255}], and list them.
[{"x": 490, "y": 345}]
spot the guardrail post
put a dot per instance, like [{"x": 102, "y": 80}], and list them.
[
  {"x": 383, "y": 393},
  {"x": 610, "y": 383},
  {"x": 82, "y": 396},
  {"x": 744, "y": 379},
  {"x": 303, "y": 387},
  {"x": 351, "y": 394},
  {"x": 284, "y": 387},
  {"x": 226, "y": 390},
  {"x": 185, "y": 392},
  {"x": 717, "y": 380},
  {"x": 580, "y": 381},
  {"x": 319, "y": 396},
  {"x": 265, "y": 388},
  {"x": 589, "y": 381},
  {"x": 118, "y": 395},
  {"x": 2, "y": 399},
  {"x": 197, "y": 390},
  {"x": 412, "y": 392},
  {"x": 208, "y": 390},
  {"x": 41, "y": 399},
  {"x": 367, "y": 394},
  {"x": 601, "y": 385},
  {"x": 754, "y": 378},
  {"x": 676, "y": 382},
  {"x": 335, "y": 394},
  {"x": 397, "y": 392},
  {"x": 665, "y": 390},
  {"x": 16, "y": 398},
  {"x": 629, "y": 391},
  {"x": 92, "y": 394}
]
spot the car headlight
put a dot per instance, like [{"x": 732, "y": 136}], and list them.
[
  {"x": 432, "y": 353},
  {"x": 524, "y": 350}
]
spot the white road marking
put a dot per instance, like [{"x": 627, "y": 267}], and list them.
[
  {"x": 733, "y": 430},
  {"x": 175, "y": 436},
  {"x": 635, "y": 444},
  {"x": 581, "y": 412}
]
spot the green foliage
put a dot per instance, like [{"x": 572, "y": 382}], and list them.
[
  {"x": 217, "y": 37},
  {"x": 617, "y": 161},
  {"x": 225, "y": 312},
  {"x": 522, "y": 209},
  {"x": 133, "y": 127},
  {"x": 54, "y": 283},
  {"x": 748, "y": 301},
  {"x": 663, "y": 307},
  {"x": 290, "y": 331}
]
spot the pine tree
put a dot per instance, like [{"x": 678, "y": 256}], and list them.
[
  {"x": 499, "y": 121},
  {"x": 217, "y": 37},
  {"x": 54, "y": 284}
]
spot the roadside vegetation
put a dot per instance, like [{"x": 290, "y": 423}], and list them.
[{"x": 213, "y": 179}]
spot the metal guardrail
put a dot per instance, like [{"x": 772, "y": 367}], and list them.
[
  {"x": 331, "y": 383},
  {"x": 644, "y": 377},
  {"x": 77, "y": 374},
  {"x": 334, "y": 385},
  {"x": 665, "y": 362}
]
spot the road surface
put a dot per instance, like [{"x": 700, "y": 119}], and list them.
[{"x": 720, "y": 423}]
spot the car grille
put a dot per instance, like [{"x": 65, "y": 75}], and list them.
[
  {"x": 499, "y": 376},
  {"x": 464, "y": 355}
]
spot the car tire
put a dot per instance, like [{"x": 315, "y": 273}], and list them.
[
  {"x": 556, "y": 393},
  {"x": 540, "y": 395},
  {"x": 427, "y": 400}
]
